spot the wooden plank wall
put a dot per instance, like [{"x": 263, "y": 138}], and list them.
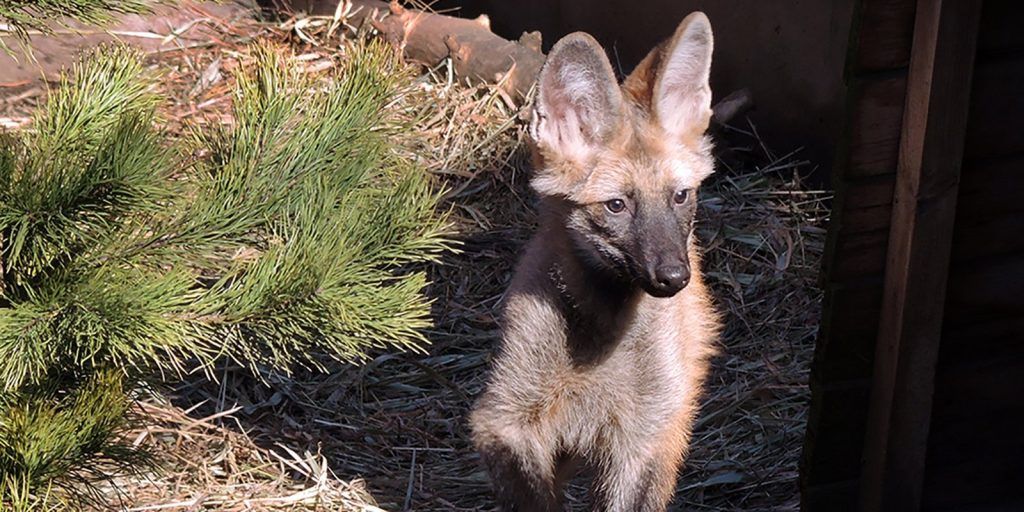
[
  {"x": 975, "y": 454},
  {"x": 920, "y": 244},
  {"x": 863, "y": 177},
  {"x": 975, "y": 448}
]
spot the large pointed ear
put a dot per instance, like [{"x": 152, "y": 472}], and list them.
[
  {"x": 673, "y": 79},
  {"x": 578, "y": 103},
  {"x": 681, "y": 98}
]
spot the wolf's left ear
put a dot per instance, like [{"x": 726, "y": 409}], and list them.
[{"x": 681, "y": 95}]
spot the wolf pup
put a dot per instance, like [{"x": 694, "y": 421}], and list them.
[{"x": 608, "y": 326}]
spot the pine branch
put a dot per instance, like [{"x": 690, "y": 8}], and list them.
[
  {"x": 49, "y": 436},
  {"x": 341, "y": 216},
  {"x": 291, "y": 245},
  {"x": 22, "y": 17},
  {"x": 90, "y": 162}
]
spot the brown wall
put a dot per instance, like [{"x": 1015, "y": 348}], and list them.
[{"x": 863, "y": 178}]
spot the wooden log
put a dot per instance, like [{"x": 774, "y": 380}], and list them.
[
  {"x": 478, "y": 54},
  {"x": 917, "y": 264}
]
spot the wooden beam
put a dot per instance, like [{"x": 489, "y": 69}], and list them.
[{"x": 917, "y": 261}]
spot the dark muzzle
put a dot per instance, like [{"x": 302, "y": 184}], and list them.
[{"x": 668, "y": 279}]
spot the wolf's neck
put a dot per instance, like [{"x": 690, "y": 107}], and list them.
[{"x": 599, "y": 309}]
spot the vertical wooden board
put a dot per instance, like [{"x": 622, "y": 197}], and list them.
[
  {"x": 867, "y": 218},
  {"x": 855, "y": 247},
  {"x": 868, "y": 192},
  {"x": 835, "y": 433},
  {"x": 884, "y": 35},
  {"x": 859, "y": 255},
  {"x": 930, "y": 156},
  {"x": 846, "y": 345},
  {"x": 863, "y": 204},
  {"x": 875, "y": 120},
  {"x": 855, "y": 254}
]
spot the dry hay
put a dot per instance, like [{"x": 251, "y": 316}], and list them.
[
  {"x": 200, "y": 464},
  {"x": 396, "y": 427}
]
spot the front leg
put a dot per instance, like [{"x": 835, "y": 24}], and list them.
[
  {"x": 518, "y": 485},
  {"x": 521, "y": 463},
  {"x": 639, "y": 476}
]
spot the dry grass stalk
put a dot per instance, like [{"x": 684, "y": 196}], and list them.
[{"x": 203, "y": 465}]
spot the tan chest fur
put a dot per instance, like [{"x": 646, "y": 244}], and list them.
[{"x": 651, "y": 376}]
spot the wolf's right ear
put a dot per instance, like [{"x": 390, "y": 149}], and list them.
[{"x": 578, "y": 104}]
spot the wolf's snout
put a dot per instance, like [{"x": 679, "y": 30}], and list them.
[{"x": 669, "y": 279}]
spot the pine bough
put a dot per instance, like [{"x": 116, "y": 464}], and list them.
[{"x": 283, "y": 239}]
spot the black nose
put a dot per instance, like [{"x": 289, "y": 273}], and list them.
[{"x": 671, "y": 278}]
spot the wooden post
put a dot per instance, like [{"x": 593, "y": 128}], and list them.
[{"x": 924, "y": 207}]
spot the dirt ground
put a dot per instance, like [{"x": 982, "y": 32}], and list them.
[{"x": 51, "y": 53}]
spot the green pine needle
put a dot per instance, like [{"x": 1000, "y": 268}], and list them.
[
  {"x": 50, "y": 437},
  {"x": 341, "y": 215},
  {"x": 290, "y": 245},
  {"x": 92, "y": 160},
  {"x": 21, "y": 17}
]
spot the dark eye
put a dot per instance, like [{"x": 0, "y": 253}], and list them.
[
  {"x": 681, "y": 196},
  {"x": 615, "y": 205}
]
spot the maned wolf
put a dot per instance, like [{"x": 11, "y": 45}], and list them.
[{"x": 608, "y": 327}]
